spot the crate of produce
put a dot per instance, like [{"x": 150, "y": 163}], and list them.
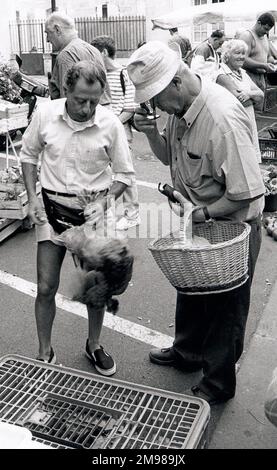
[
  {"x": 8, "y": 227},
  {"x": 13, "y": 116},
  {"x": 14, "y": 200},
  {"x": 268, "y": 149},
  {"x": 66, "y": 408},
  {"x": 17, "y": 122},
  {"x": 11, "y": 110}
]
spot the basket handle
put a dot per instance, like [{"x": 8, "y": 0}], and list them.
[{"x": 186, "y": 222}]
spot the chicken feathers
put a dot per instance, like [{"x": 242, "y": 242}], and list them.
[{"x": 106, "y": 263}]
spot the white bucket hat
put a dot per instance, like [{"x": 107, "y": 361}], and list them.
[{"x": 151, "y": 68}]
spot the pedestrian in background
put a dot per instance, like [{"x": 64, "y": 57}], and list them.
[
  {"x": 209, "y": 148},
  {"x": 61, "y": 33},
  {"x": 205, "y": 58},
  {"x": 259, "y": 58},
  {"x": 184, "y": 44},
  {"x": 122, "y": 99}
]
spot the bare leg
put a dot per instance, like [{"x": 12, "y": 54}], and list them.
[
  {"x": 95, "y": 323},
  {"x": 102, "y": 361},
  {"x": 49, "y": 261}
]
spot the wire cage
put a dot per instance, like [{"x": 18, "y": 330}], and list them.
[{"x": 69, "y": 409}]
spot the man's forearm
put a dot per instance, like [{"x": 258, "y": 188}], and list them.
[
  {"x": 30, "y": 178},
  {"x": 253, "y": 64},
  {"x": 125, "y": 116},
  {"x": 150, "y": 129},
  {"x": 225, "y": 206},
  {"x": 257, "y": 96},
  {"x": 117, "y": 189},
  {"x": 221, "y": 208},
  {"x": 271, "y": 59},
  {"x": 158, "y": 145}
]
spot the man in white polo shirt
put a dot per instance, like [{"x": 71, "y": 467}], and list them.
[
  {"x": 82, "y": 145},
  {"x": 209, "y": 148}
]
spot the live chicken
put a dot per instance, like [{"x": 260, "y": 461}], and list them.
[{"x": 106, "y": 265}]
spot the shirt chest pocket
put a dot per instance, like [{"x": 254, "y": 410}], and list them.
[
  {"x": 93, "y": 160},
  {"x": 193, "y": 157},
  {"x": 193, "y": 168}
]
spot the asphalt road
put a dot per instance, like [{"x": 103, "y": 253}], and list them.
[{"x": 148, "y": 302}]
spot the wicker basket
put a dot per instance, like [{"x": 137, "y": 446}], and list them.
[{"x": 206, "y": 269}]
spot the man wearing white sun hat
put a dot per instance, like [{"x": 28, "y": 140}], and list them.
[{"x": 208, "y": 145}]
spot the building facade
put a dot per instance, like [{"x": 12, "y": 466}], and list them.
[
  {"x": 7, "y": 14},
  {"x": 196, "y": 32},
  {"x": 150, "y": 9},
  {"x": 81, "y": 8}
]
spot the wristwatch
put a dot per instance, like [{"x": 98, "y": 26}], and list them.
[{"x": 206, "y": 214}]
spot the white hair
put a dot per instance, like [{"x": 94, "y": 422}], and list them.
[
  {"x": 62, "y": 20},
  {"x": 230, "y": 46}
]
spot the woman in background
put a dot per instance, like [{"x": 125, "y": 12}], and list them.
[{"x": 232, "y": 76}]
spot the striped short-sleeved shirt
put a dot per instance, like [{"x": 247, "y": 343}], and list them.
[{"x": 121, "y": 101}]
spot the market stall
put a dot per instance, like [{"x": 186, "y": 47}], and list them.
[
  {"x": 14, "y": 118},
  {"x": 13, "y": 196},
  {"x": 239, "y": 12},
  {"x": 229, "y": 12},
  {"x": 215, "y": 12}
]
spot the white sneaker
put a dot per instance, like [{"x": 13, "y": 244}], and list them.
[{"x": 124, "y": 223}]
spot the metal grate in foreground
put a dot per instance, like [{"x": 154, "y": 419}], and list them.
[{"x": 72, "y": 409}]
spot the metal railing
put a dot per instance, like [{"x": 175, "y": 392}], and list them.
[
  {"x": 127, "y": 31},
  {"x": 29, "y": 36}
]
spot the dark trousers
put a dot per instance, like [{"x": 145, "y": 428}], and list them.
[{"x": 210, "y": 328}]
